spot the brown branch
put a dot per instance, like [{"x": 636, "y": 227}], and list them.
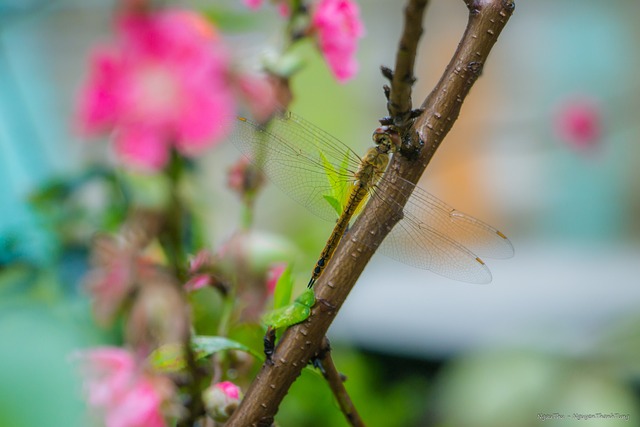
[
  {"x": 399, "y": 100},
  {"x": 302, "y": 342},
  {"x": 336, "y": 383}
]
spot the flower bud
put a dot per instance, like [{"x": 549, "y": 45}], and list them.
[
  {"x": 273, "y": 275},
  {"x": 221, "y": 399}
]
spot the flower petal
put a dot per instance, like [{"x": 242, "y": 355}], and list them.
[{"x": 142, "y": 147}]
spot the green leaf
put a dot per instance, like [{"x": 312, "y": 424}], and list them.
[
  {"x": 291, "y": 314},
  {"x": 282, "y": 292},
  {"x": 170, "y": 357},
  {"x": 207, "y": 345},
  {"x": 337, "y": 183},
  {"x": 333, "y": 178},
  {"x": 335, "y": 204}
]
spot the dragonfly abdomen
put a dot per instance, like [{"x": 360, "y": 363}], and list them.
[{"x": 356, "y": 196}]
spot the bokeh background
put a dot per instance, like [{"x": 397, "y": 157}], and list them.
[{"x": 556, "y": 332}]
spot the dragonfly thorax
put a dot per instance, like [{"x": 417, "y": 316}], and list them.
[{"x": 372, "y": 167}]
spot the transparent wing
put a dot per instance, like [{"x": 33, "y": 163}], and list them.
[
  {"x": 288, "y": 150},
  {"x": 433, "y": 236},
  {"x": 425, "y": 210}
]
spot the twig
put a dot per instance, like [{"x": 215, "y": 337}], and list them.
[
  {"x": 402, "y": 78},
  {"x": 302, "y": 342},
  {"x": 336, "y": 383}
]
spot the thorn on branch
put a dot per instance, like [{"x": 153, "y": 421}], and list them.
[
  {"x": 386, "y": 121},
  {"x": 509, "y": 5},
  {"x": 265, "y": 422},
  {"x": 475, "y": 67},
  {"x": 387, "y": 72},
  {"x": 473, "y": 6},
  {"x": 415, "y": 113},
  {"x": 387, "y": 91},
  {"x": 321, "y": 355},
  {"x": 410, "y": 80}
]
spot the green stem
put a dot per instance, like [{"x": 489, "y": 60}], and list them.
[
  {"x": 246, "y": 216},
  {"x": 172, "y": 238}
]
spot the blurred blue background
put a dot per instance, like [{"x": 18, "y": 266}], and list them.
[{"x": 558, "y": 329}]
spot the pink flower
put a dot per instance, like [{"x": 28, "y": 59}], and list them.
[
  {"x": 221, "y": 399},
  {"x": 253, "y": 4},
  {"x": 283, "y": 9},
  {"x": 161, "y": 84},
  {"x": 260, "y": 95},
  {"x": 245, "y": 179},
  {"x": 338, "y": 27},
  {"x": 579, "y": 123},
  {"x": 112, "y": 279},
  {"x": 273, "y": 275},
  {"x": 108, "y": 373},
  {"x": 282, "y": 5},
  {"x": 121, "y": 391},
  {"x": 230, "y": 390},
  {"x": 199, "y": 279}
]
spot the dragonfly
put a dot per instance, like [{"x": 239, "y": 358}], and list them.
[{"x": 309, "y": 164}]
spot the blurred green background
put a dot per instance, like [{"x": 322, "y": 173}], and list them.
[{"x": 556, "y": 333}]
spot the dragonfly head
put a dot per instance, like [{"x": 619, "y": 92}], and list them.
[{"x": 387, "y": 139}]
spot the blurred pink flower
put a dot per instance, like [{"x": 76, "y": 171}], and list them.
[
  {"x": 245, "y": 179},
  {"x": 260, "y": 96},
  {"x": 221, "y": 399},
  {"x": 117, "y": 387},
  {"x": 113, "y": 277},
  {"x": 199, "y": 277},
  {"x": 253, "y": 4},
  {"x": 283, "y": 9},
  {"x": 230, "y": 390},
  {"x": 108, "y": 372},
  {"x": 338, "y": 27},
  {"x": 579, "y": 123},
  {"x": 197, "y": 282},
  {"x": 161, "y": 84},
  {"x": 282, "y": 5},
  {"x": 273, "y": 275}
]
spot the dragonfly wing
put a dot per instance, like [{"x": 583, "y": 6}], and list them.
[
  {"x": 477, "y": 236},
  {"x": 433, "y": 236},
  {"x": 290, "y": 155},
  {"x": 426, "y": 248}
]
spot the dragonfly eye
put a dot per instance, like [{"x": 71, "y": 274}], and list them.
[{"x": 387, "y": 137}]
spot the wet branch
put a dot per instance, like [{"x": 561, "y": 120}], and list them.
[{"x": 303, "y": 342}]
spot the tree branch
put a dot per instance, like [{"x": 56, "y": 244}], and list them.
[
  {"x": 336, "y": 383},
  {"x": 402, "y": 79},
  {"x": 302, "y": 342}
]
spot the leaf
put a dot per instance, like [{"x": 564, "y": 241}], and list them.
[
  {"x": 296, "y": 312},
  {"x": 170, "y": 357},
  {"x": 207, "y": 345},
  {"x": 337, "y": 187},
  {"x": 335, "y": 204},
  {"x": 282, "y": 292}
]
